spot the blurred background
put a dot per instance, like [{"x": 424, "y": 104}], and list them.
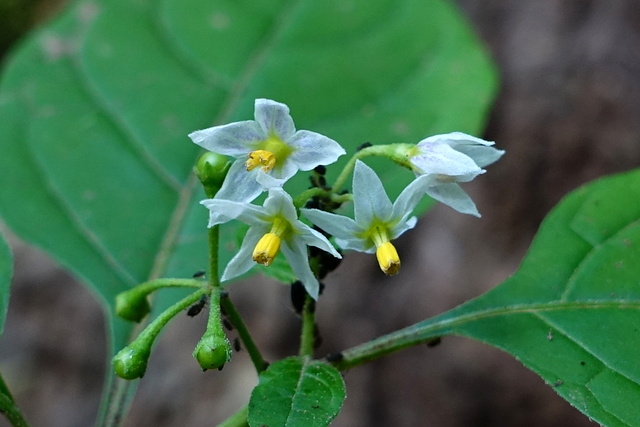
[{"x": 568, "y": 111}]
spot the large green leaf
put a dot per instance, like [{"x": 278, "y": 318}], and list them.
[
  {"x": 96, "y": 106},
  {"x": 571, "y": 312},
  {"x": 297, "y": 392}
]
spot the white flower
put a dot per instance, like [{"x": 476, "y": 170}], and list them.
[
  {"x": 449, "y": 159},
  {"x": 273, "y": 226},
  {"x": 377, "y": 220},
  {"x": 268, "y": 150}
]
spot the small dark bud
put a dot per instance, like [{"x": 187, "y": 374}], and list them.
[{"x": 335, "y": 357}]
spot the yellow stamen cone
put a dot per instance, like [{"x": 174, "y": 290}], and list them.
[
  {"x": 261, "y": 157},
  {"x": 388, "y": 258},
  {"x": 266, "y": 249}
]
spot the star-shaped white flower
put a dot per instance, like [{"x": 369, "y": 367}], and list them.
[
  {"x": 449, "y": 159},
  {"x": 268, "y": 150},
  {"x": 377, "y": 220},
  {"x": 274, "y": 226}
]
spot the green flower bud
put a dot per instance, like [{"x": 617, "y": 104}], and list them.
[
  {"x": 212, "y": 352},
  {"x": 131, "y": 362},
  {"x": 211, "y": 169},
  {"x": 132, "y": 305}
]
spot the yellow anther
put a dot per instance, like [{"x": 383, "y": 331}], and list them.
[
  {"x": 261, "y": 157},
  {"x": 388, "y": 258},
  {"x": 269, "y": 245},
  {"x": 266, "y": 249}
]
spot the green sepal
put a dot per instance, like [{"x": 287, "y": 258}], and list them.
[
  {"x": 131, "y": 362},
  {"x": 133, "y": 305},
  {"x": 211, "y": 170},
  {"x": 212, "y": 352}
]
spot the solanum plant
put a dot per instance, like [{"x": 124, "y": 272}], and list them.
[{"x": 107, "y": 111}]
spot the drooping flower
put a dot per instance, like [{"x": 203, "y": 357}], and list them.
[
  {"x": 449, "y": 159},
  {"x": 273, "y": 227},
  {"x": 377, "y": 220},
  {"x": 268, "y": 151}
]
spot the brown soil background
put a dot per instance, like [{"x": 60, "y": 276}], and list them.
[{"x": 568, "y": 111}]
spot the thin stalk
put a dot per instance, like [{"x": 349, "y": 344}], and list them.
[
  {"x": 307, "y": 336},
  {"x": 243, "y": 333},
  {"x": 239, "y": 419}
]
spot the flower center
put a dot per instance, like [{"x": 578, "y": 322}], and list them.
[
  {"x": 269, "y": 153},
  {"x": 261, "y": 157},
  {"x": 268, "y": 246},
  {"x": 386, "y": 253}
]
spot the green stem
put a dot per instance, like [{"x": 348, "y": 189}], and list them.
[
  {"x": 214, "y": 323},
  {"x": 239, "y": 419},
  {"x": 307, "y": 337},
  {"x": 146, "y": 288},
  {"x": 244, "y": 334},
  {"x": 419, "y": 333},
  {"x": 11, "y": 411},
  {"x": 150, "y": 333},
  {"x": 395, "y": 152},
  {"x": 302, "y": 198}
]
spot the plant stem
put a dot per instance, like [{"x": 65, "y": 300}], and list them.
[
  {"x": 214, "y": 323},
  {"x": 419, "y": 333},
  {"x": 11, "y": 411},
  {"x": 243, "y": 332},
  {"x": 307, "y": 337},
  {"x": 239, "y": 419}
]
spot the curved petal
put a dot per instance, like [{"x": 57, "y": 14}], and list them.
[
  {"x": 238, "y": 186},
  {"x": 313, "y": 149},
  {"x": 357, "y": 244},
  {"x": 235, "y": 139},
  {"x": 280, "y": 203},
  {"x": 455, "y": 197},
  {"x": 440, "y": 159},
  {"x": 274, "y": 118},
  {"x": 336, "y": 225},
  {"x": 243, "y": 260},
  {"x": 370, "y": 201},
  {"x": 245, "y": 212},
  {"x": 295, "y": 251},
  {"x": 399, "y": 229},
  {"x": 410, "y": 197},
  {"x": 312, "y": 237},
  {"x": 278, "y": 176},
  {"x": 481, "y": 154},
  {"x": 457, "y": 137}
]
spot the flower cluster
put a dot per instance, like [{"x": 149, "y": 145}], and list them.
[{"x": 269, "y": 151}]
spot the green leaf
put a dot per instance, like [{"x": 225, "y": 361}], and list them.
[
  {"x": 6, "y": 273},
  {"x": 8, "y": 406},
  {"x": 297, "y": 392},
  {"x": 97, "y": 104},
  {"x": 571, "y": 312}
]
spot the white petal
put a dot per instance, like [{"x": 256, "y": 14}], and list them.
[
  {"x": 277, "y": 176},
  {"x": 356, "y": 244},
  {"x": 238, "y": 186},
  {"x": 273, "y": 117},
  {"x": 336, "y": 225},
  {"x": 453, "y": 137},
  {"x": 397, "y": 230},
  {"x": 243, "y": 260},
  {"x": 410, "y": 197},
  {"x": 452, "y": 195},
  {"x": 313, "y": 149},
  {"x": 234, "y": 139},
  {"x": 279, "y": 203},
  {"x": 480, "y": 154},
  {"x": 295, "y": 251},
  {"x": 312, "y": 237},
  {"x": 439, "y": 158},
  {"x": 245, "y": 212},
  {"x": 369, "y": 198}
]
